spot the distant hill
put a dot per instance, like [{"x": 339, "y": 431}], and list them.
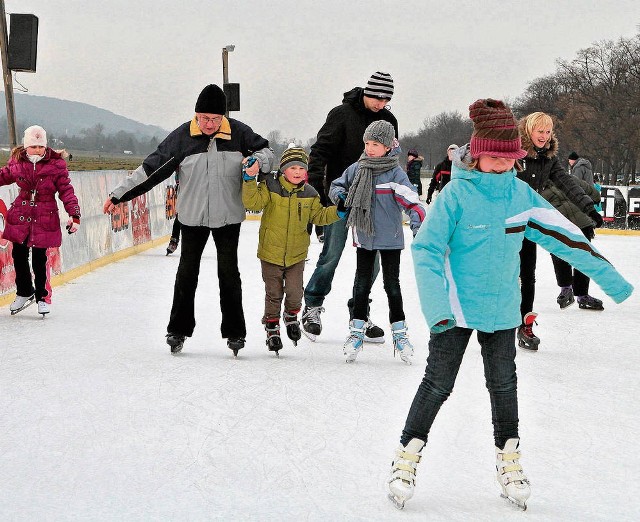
[{"x": 62, "y": 117}]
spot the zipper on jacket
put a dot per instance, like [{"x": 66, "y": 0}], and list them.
[{"x": 299, "y": 211}]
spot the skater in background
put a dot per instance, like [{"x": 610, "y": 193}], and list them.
[
  {"x": 33, "y": 221},
  {"x": 573, "y": 283},
  {"x": 174, "y": 240},
  {"x": 541, "y": 167},
  {"x": 289, "y": 204},
  {"x": 377, "y": 191},
  {"x": 441, "y": 174},
  {"x": 414, "y": 166},
  {"x": 210, "y": 151},
  {"x": 338, "y": 145},
  {"x": 580, "y": 167},
  {"x": 466, "y": 258}
]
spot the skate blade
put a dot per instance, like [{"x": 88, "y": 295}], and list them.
[
  {"x": 374, "y": 340},
  {"x": 397, "y": 502},
  {"x": 175, "y": 350},
  {"x": 517, "y": 503},
  {"x": 26, "y": 305},
  {"x": 309, "y": 336}
]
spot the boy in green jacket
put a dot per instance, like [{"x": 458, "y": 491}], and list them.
[{"x": 289, "y": 204}]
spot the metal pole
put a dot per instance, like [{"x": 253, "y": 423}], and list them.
[
  {"x": 6, "y": 75},
  {"x": 225, "y": 70}
]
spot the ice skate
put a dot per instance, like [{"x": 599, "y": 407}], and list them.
[
  {"x": 403, "y": 472},
  {"x": 43, "y": 308},
  {"x": 175, "y": 342},
  {"x": 235, "y": 344},
  {"x": 173, "y": 245},
  {"x": 401, "y": 344},
  {"x": 274, "y": 343},
  {"x": 566, "y": 297},
  {"x": 526, "y": 338},
  {"x": 586, "y": 302},
  {"x": 311, "y": 323},
  {"x": 513, "y": 482},
  {"x": 372, "y": 333},
  {"x": 293, "y": 326},
  {"x": 20, "y": 303},
  {"x": 353, "y": 344}
]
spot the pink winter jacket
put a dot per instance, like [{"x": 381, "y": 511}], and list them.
[{"x": 33, "y": 215}]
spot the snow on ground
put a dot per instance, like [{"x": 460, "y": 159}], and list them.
[{"x": 99, "y": 422}]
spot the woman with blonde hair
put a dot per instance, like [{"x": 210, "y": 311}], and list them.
[{"x": 541, "y": 168}]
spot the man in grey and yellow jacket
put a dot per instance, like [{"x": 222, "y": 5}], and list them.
[{"x": 209, "y": 152}]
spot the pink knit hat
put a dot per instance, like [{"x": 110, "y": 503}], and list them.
[
  {"x": 34, "y": 136},
  {"x": 495, "y": 130}
]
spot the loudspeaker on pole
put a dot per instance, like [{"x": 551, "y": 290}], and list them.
[{"x": 23, "y": 42}]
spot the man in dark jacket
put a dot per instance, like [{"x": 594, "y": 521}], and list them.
[
  {"x": 338, "y": 145},
  {"x": 210, "y": 152},
  {"x": 441, "y": 174}
]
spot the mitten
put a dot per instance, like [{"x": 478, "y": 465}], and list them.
[
  {"x": 73, "y": 224},
  {"x": 428, "y": 200},
  {"x": 596, "y": 217},
  {"x": 443, "y": 326}
]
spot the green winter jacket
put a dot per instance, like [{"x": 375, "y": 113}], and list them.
[
  {"x": 288, "y": 209},
  {"x": 567, "y": 208}
]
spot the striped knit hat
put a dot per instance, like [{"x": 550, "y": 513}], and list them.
[
  {"x": 380, "y": 85},
  {"x": 294, "y": 156},
  {"x": 495, "y": 130}
]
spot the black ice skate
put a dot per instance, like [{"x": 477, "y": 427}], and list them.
[
  {"x": 526, "y": 338},
  {"x": 293, "y": 326},
  {"x": 235, "y": 344},
  {"x": 175, "y": 342},
  {"x": 20, "y": 303},
  {"x": 173, "y": 245},
  {"x": 311, "y": 323},
  {"x": 586, "y": 302},
  {"x": 274, "y": 343},
  {"x": 565, "y": 298}
]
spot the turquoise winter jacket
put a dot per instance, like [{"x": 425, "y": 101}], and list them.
[{"x": 466, "y": 254}]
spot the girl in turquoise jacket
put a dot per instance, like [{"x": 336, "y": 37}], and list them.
[{"x": 466, "y": 259}]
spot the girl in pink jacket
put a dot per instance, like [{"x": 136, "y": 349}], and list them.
[{"x": 33, "y": 220}]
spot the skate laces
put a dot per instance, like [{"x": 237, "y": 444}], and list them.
[{"x": 312, "y": 314}]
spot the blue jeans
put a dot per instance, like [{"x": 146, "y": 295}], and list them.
[
  {"x": 445, "y": 355},
  {"x": 319, "y": 286},
  {"x": 182, "y": 320}
]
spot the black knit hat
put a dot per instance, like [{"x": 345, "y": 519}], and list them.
[
  {"x": 574, "y": 156},
  {"x": 212, "y": 100}
]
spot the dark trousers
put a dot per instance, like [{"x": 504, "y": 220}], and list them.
[
  {"x": 446, "y": 350},
  {"x": 319, "y": 285},
  {"x": 282, "y": 282},
  {"x": 182, "y": 320},
  {"x": 528, "y": 255},
  {"x": 566, "y": 275},
  {"x": 24, "y": 282},
  {"x": 390, "y": 260}
]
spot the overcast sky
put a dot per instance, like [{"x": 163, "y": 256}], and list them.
[{"x": 149, "y": 59}]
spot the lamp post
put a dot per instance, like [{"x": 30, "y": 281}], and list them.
[{"x": 225, "y": 66}]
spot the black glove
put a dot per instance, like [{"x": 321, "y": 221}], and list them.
[
  {"x": 596, "y": 217},
  {"x": 341, "y": 206},
  {"x": 428, "y": 200}
]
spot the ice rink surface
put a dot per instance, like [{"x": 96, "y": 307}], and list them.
[{"x": 99, "y": 422}]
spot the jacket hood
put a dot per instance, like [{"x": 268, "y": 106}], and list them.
[
  {"x": 550, "y": 151},
  {"x": 582, "y": 161},
  {"x": 354, "y": 98},
  {"x": 460, "y": 168}
]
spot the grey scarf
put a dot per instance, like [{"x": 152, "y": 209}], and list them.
[{"x": 361, "y": 194}]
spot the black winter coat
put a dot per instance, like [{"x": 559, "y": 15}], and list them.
[
  {"x": 540, "y": 166},
  {"x": 339, "y": 141}
]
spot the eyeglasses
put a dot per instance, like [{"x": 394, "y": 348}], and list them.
[{"x": 205, "y": 119}]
